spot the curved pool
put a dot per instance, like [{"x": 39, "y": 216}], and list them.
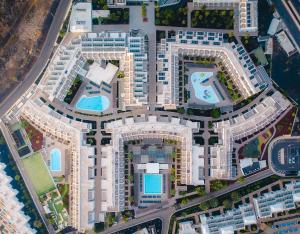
[
  {"x": 55, "y": 160},
  {"x": 95, "y": 103},
  {"x": 204, "y": 93}
]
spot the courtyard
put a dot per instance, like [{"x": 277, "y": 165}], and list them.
[
  {"x": 203, "y": 89},
  {"x": 152, "y": 165}
]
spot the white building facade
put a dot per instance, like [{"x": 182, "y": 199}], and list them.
[
  {"x": 203, "y": 44},
  {"x": 128, "y": 48}
]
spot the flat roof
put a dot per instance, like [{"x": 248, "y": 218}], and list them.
[
  {"x": 81, "y": 17},
  {"x": 99, "y": 74},
  {"x": 152, "y": 168}
]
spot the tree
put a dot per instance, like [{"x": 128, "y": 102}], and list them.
[
  {"x": 190, "y": 111},
  {"x": 217, "y": 185},
  {"x": 130, "y": 199},
  {"x": 181, "y": 110},
  {"x": 184, "y": 201},
  {"x": 227, "y": 203},
  {"x": 144, "y": 10},
  {"x": 17, "y": 177},
  {"x": 130, "y": 156},
  {"x": 110, "y": 219},
  {"x": 120, "y": 74},
  {"x": 172, "y": 192},
  {"x": 24, "y": 124},
  {"x": 200, "y": 191},
  {"x": 215, "y": 113},
  {"x": 241, "y": 180},
  {"x": 204, "y": 206},
  {"x": 37, "y": 224},
  {"x": 174, "y": 154},
  {"x": 235, "y": 196},
  {"x": 214, "y": 203},
  {"x": 130, "y": 178}
]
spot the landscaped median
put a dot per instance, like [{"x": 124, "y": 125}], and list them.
[{"x": 44, "y": 186}]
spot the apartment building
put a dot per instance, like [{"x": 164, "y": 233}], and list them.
[
  {"x": 12, "y": 217},
  {"x": 234, "y": 58}
]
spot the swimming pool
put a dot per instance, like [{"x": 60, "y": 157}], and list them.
[
  {"x": 204, "y": 93},
  {"x": 152, "y": 184},
  {"x": 95, "y": 103},
  {"x": 55, "y": 160}
]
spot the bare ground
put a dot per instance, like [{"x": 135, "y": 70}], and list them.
[{"x": 23, "y": 28}]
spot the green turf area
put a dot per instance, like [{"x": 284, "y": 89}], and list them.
[{"x": 38, "y": 174}]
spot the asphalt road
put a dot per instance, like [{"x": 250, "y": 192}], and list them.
[
  {"x": 291, "y": 25},
  {"x": 42, "y": 59}
]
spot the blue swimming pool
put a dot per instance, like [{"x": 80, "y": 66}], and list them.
[
  {"x": 205, "y": 93},
  {"x": 55, "y": 160},
  {"x": 95, "y": 103},
  {"x": 152, "y": 184}
]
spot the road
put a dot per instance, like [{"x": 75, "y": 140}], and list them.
[
  {"x": 287, "y": 18},
  {"x": 165, "y": 213},
  {"x": 42, "y": 59}
]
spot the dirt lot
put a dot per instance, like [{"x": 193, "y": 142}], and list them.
[{"x": 23, "y": 28}]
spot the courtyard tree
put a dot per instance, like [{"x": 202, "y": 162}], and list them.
[
  {"x": 130, "y": 178},
  {"x": 130, "y": 199},
  {"x": 144, "y": 10},
  {"x": 120, "y": 74},
  {"x": 130, "y": 156},
  {"x": 174, "y": 154}
]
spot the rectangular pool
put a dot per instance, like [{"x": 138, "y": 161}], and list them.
[
  {"x": 55, "y": 160},
  {"x": 152, "y": 184}
]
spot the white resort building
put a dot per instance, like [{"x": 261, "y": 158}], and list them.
[
  {"x": 81, "y": 17},
  {"x": 263, "y": 206},
  {"x": 203, "y": 44},
  {"x": 248, "y": 17},
  {"x": 12, "y": 218},
  {"x": 130, "y": 49},
  {"x": 112, "y": 159},
  {"x": 278, "y": 201},
  {"x": 254, "y": 120},
  {"x": 80, "y": 158},
  {"x": 229, "y": 222}
]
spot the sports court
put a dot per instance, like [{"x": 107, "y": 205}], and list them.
[{"x": 38, "y": 174}]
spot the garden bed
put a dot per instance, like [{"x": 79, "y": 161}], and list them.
[
  {"x": 73, "y": 90},
  {"x": 175, "y": 15},
  {"x": 34, "y": 135},
  {"x": 216, "y": 19},
  {"x": 116, "y": 16}
]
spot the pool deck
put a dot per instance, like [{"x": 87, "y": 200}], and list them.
[
  {"x": 193, "y": 101},
  {"x": 84, "y": 91},
  {"x": 51, "y": 144}
]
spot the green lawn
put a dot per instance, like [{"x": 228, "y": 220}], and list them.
[{"x": 38, "y": 174}]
